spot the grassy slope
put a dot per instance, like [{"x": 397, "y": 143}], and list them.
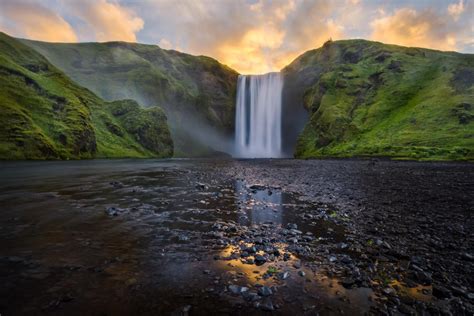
[
  {"x": 44, "y": 115},
  {"x": 368, "y": 98},
  {"x": 192, "y": 90}
]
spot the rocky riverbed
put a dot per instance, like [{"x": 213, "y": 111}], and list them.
[{"x": 191, "y": 237}]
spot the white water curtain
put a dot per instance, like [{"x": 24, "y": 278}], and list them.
[{"x": 258, "y": 116}]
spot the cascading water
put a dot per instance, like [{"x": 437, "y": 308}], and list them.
[{"x": 258, "y": 116}]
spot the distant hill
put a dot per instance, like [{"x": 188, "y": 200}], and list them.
[
  {"x": 370, "y": 99},
  {"x": 45, "y": 115},
  {"x": 196, "y": 92}
]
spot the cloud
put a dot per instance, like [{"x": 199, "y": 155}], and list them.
[
  {"x": 251, "y": 36},
  {"x": 32, "y": 20},
  {"x": 108, "y": 20},
  {"x": 409, "y": 27},
  {"x": 456, "y": 9}
]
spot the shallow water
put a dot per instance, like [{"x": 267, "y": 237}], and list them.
[{"x": 137, "y": 237}]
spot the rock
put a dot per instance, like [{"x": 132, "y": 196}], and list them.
[
  {"x": 216, "y": 226},
  {"x": 264, "y": 291},
  {"x": 249, "y": 261},
  {"x": 295, "y": 232},
  {"x": 389, "y": 291},
  {"x": 235, "y": 289},
  {"x": 186, "y": 309},
  {"x": 347, "y": 283},
  {"x": 286, "y": 256},
  {"x": 343, "y": 245},
  {"x": 116, "y": 184},
  {"x": 250, "y": 296},
  {"x": 301, "y": 273},
  {"x": 112, "y": 211},
  {"x": 441, "y": 292},
  {"x": 201, "y": 186},
  {"x": 346, "y": 260},
  {"x": 183, "y": 238},
  {"x": 251, "y": 249},
  {"x": 459, "y": 291},
  {"x": 467, "y": 256},
  {"x": 259, "y": 260},
  {"x": 284, "y": 275},
  {"x": 244, "y": 254},
  {"x": 267, "y": 305},
  {"x": 424, "y": 278},
  {"x": 332, "y": 259},
  {"x": 257, "y": 187},
  {"x": 293, "y": 240},
  {"x": 291, "y": 226},
  {"x": 406, "y": 309},
  {"x": 297, "y": 264}
]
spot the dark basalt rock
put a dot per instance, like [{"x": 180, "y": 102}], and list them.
[{"x": 441, "y": 292}]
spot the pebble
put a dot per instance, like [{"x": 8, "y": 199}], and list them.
[{"x": 264, "y": 291}]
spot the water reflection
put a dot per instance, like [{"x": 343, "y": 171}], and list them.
[{"x": 259, "y": 204}]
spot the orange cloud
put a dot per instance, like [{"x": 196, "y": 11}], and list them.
[
  {"x": 35, "y": 21},
  {"x": 256, "y": 45},
  {"x": 110, "y": 21},
  {"x": 409, "y": 27},
  {"x": 262, "y": 37}
]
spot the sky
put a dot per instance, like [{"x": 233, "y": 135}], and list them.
[{"x": 251, "y": 36}]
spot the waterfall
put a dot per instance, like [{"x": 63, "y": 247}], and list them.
[{"x": 258, "y": 116}]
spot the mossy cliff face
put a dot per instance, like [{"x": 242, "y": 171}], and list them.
[
  {"x": 196, "y": 92},
  {"x": 370, "y": 99},
  {"x": 45, "y": 115},
  {"x": 145, "y": 125}
]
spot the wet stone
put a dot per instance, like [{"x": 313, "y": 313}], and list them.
[
  {"x": 267, "y": 305},
  {"x": 348, "y": 283},
  {"x": 259, "y": 259},
  {"x": 236, "y": 289},
  {"x": 264, "y": 291},
  {"x": 284, "y": 275},
  {"x": 291, "y": 226},
  {"x": 441, "y": 292},
  {"x": 250, "y": 296},
  {"x": 112, "y": 211}
]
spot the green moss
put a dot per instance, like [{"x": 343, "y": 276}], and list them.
[
  {"x": 371, "y": 99},
  {"x": 44, "y": 115}
]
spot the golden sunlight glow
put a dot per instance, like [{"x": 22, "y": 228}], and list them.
[
  {"x": 249, "y": 54},
  {"x": 410, "y": 28}
]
